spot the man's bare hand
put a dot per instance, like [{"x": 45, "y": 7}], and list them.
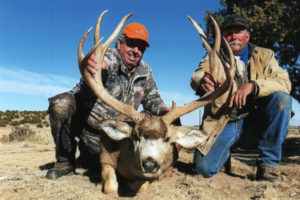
[
  {"x": 167, "y": 109},
  {"x": 239, "y": 97},
  {"x": 208, "y": 83},
  {"x": 92, "y": 65}
]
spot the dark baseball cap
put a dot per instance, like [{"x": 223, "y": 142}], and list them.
[{"x": 234, "y": 20}]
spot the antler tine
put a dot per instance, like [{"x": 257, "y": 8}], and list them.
[
  {"x": 201, "y": 33},
  {"x": 231, "y": 57},
  {"x": 187, "y": 108},
  {"x": 100, "y": 52},
  {"x": 213, "y": 57},
  {"x": 80, "y": 54},
  {"x": 97, "y": 27},
  {"x": 205, "y": 100},
  {"x": 217, "y": 44},
  {"x": 116, "y": 32},
  {"x": 228, "y": 69},
  {"x": 95, "y": 82},
  {"x": 211, "y": 96}
]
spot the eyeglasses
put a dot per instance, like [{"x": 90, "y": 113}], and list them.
[{"x": 140, "y": 44}]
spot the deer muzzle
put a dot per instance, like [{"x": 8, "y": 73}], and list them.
[{"x": 149, "y": 165}]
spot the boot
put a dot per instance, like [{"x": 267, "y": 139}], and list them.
[
  {"x": 60, "y": 169},
  {"x": 226, "y": 168},
  {"x": 267, "y": 174}
]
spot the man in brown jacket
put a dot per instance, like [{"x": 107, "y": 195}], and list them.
[{"x": 258, "y": 106}]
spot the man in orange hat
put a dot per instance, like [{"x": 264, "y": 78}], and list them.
[{"x": 78, "y": 112}]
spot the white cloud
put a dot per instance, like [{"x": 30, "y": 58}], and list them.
[
  {"x": 18, "y": 87},
  {"x": 19, "y": 81}
]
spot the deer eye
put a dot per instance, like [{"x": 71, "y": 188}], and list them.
[{"x": 167, "y": 139}]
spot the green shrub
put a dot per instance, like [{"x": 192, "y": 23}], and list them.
[
  {"x": 20, "y": 133},
  {"x": 35, "y": 119},
  {"x": 44, "y": 114},
  {"x": 11, "y": 114},
  {"x": 46, "y": 123},
  {"x": 15, "y": 123},
  {"x": 16, "y": 118},
  {"x": 39, "y": 125},
  {"x": 3, "y": 122}
]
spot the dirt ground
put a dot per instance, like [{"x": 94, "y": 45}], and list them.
[{"x": 23, "y": 166}]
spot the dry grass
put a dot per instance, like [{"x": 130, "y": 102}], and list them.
[{"x": 24, "y": 165}]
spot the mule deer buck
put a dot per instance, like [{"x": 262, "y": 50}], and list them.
[{"x": 146, "y": 145}]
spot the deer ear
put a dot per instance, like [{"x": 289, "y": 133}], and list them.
[
  {"x": 190, "y": 139},
  {"x": 116, "y": 130}
]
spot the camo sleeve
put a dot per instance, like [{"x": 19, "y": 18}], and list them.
[{"x": 152, "y": 100}]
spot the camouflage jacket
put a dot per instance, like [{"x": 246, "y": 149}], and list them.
[{"x": 136, "y": 85}]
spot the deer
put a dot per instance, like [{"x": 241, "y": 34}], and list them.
[{"x": 143, "y": 148}]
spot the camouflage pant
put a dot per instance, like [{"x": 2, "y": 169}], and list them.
[{"x": 68, "y": 122}]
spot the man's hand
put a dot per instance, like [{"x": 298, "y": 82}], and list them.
[
  {"x": 208, "y": 83},
  {"x": 167, "y": 109},
  {"x": 239, "y": 97},
  {"x": 92, "y": 65}
]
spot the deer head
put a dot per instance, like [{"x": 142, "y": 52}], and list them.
[{"x": 153, "y": 137}]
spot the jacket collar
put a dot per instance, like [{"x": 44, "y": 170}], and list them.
[{"x": 251, "y": 48}]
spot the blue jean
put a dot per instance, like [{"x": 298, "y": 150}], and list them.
[{"x": 268, "y": 124}]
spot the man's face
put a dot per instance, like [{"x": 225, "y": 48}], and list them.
[
  {"x": 237, "y": 37},
  {"x": 131, "y": 51}
]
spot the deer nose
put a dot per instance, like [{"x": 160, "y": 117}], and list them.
[{"x": 149, "y": 165}]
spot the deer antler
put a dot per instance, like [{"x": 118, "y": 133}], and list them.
[
  {"x": 213, "y": 56},
  {"x": 95, "y": 81}
]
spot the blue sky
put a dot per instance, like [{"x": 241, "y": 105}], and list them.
[{"x": 39, "y": 39}]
